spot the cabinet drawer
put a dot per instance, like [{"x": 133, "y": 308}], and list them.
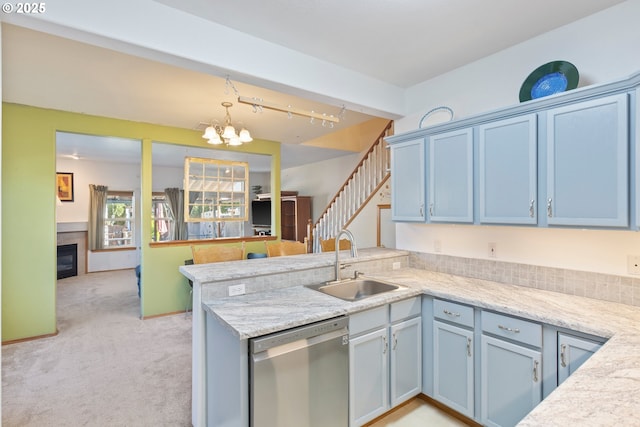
[
  {"x": 453, "y": 312},
  {"x": 512, "y": 328},
  {"x": 405, "y": 309},
  {"x": 368, "y": 320}
]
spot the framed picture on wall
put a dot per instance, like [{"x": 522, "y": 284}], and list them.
[{"x": 64, "y": 184}]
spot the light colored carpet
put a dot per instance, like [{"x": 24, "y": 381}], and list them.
[{"x": 106, "y": 367}]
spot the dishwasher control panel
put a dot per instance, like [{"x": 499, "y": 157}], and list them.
[{"x": 301, "y": 333}]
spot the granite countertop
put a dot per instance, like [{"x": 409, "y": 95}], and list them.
[
  {"x": 604, "y": 391},
  {"x": 222, "y": 271}
]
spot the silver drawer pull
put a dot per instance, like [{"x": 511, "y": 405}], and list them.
[
  {"x": 535, "y": 371},
  {"x": 469, "y": 347},
  {"x": 549, "y": 208},
  {"x": 450, "y": 313},
  {"x": 384, "y": 345},
  {"x": 514, "y": 330}
]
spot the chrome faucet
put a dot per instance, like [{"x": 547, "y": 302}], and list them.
[{"x": 354, "y": 250}]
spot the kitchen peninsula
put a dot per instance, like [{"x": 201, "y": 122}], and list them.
[{"x": 604, "y": 391}]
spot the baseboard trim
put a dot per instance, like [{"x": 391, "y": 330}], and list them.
[
  {"x": 463, "y": 418},
  {"x": 37, "y": 337},
  {"x": 154, "y": 316}
]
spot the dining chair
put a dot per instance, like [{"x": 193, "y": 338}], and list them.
[
  {"x": 285, "y": 247},
  {"x": 216, "y": 253},
  {"x": 329, "y": 245}
]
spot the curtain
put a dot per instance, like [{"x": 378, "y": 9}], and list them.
[
  {"x": 97, "y": 207},
  {"x": 175, "y": 200}
]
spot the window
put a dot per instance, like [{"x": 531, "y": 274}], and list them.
[
  {"x": 119, "y": 220},
  {"x": 216, "y": 190},
  {"x": 161, "y": 219}
]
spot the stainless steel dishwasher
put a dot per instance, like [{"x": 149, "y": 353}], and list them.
[{"x": 300, "y": 377}]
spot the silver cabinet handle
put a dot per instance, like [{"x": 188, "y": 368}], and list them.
[
  {"x": 549, "y": 210},
  {"x": 395, "y": 341},
  {"x": 535, "y": 371},
  {"x": 563, "y": 360},
  {"x": 422, "y": 209},
  {"x": 430, "y": 209},
  {"x": 506, "y": 329},
  {"x": 469, "y": 347},
  {"x": 450, "y": 313},
  {"x": 384, "y": 348},
  {"x": 531, "y": 208}
]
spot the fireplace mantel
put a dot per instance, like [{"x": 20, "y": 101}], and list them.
[{"x": 68, "y": 227}]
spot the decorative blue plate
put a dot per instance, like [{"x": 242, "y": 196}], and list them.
[{"x": 548, "y": 79}]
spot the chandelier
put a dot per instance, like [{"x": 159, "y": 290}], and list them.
[{"x": 216, "y": 134}]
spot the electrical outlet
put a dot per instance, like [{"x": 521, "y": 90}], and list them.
[
  {"x": 396, "y": 265},
  {"x": 492, "y": 250},
  {"x": 235, "y": 290},
  {"x": 633, "y": 264},
  {"x": 437, "y": 246}
]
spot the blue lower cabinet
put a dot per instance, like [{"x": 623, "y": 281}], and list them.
[
  {"x": 453, "y": 367},
  {"x": 511, "y": 377},
  {"x": 572, "y": 353}
]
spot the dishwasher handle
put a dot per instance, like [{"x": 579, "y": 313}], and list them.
[
  {"x": 342, "y": 335},
  {"x": 303, "y": 333}
]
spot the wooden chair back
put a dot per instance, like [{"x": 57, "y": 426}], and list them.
[
  {"x": 216, "y": 253},
  {"x": 329, "y": 245},
  {"x": 285, "y": 247}
]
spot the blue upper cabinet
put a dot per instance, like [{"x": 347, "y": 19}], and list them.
[
  {"x": 507, "y": 171},
  {"x": 587, "y": 158},
  {"x": 408, "y": 181},
  {"x": 568, "y": 160},
  {"x": 451, "y": 176}
]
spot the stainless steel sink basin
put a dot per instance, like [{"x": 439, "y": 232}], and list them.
[{"x": 355, "y": 289}]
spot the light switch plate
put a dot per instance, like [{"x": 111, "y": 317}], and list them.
[
  {"x": 492, "y": 250},
  {"x": 633, "y": 264},
  {"x": 235, "y": 290}
]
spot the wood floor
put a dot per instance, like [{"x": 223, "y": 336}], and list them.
[{"x": 418, "y": 413}]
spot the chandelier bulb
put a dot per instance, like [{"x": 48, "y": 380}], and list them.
[
  {"x": 245, "y": 136},
  {"x": 215, "y": 139}
]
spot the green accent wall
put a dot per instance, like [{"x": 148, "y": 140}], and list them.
[{"x": 29, "y": 224}]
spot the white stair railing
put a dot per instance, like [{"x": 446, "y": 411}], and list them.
[{"x": 363, "y": 183}]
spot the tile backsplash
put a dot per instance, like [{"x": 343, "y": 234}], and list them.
[{"x": 607, "y": 287}]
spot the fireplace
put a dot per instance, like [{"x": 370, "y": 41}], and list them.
[{"x": 67, "y": 260}]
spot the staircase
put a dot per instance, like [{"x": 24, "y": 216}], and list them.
[{"x": 363, "y": 183}]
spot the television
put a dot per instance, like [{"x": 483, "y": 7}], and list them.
[{"x": 261, "y": 213}]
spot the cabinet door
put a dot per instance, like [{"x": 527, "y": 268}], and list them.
[
  {"x": 406, "y": 360},
  {"x": 573, "y": 352},
  {"x": 288, "y": 219},
  {"x": 587, "y": 163},
  {"x": 511, "y": 383},
  {"x": 451, "y": 176},
  {"x": 453, "y": 367},
  {"x": 368, "y": 377},
  {"x": 508, "y": 171},
  {"x": 408, "y": 181}
]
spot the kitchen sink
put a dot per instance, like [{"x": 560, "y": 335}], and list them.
[{"x": 355, "y": 289}]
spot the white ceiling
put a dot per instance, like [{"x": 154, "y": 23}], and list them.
[{"x": 401, "y": 42}]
